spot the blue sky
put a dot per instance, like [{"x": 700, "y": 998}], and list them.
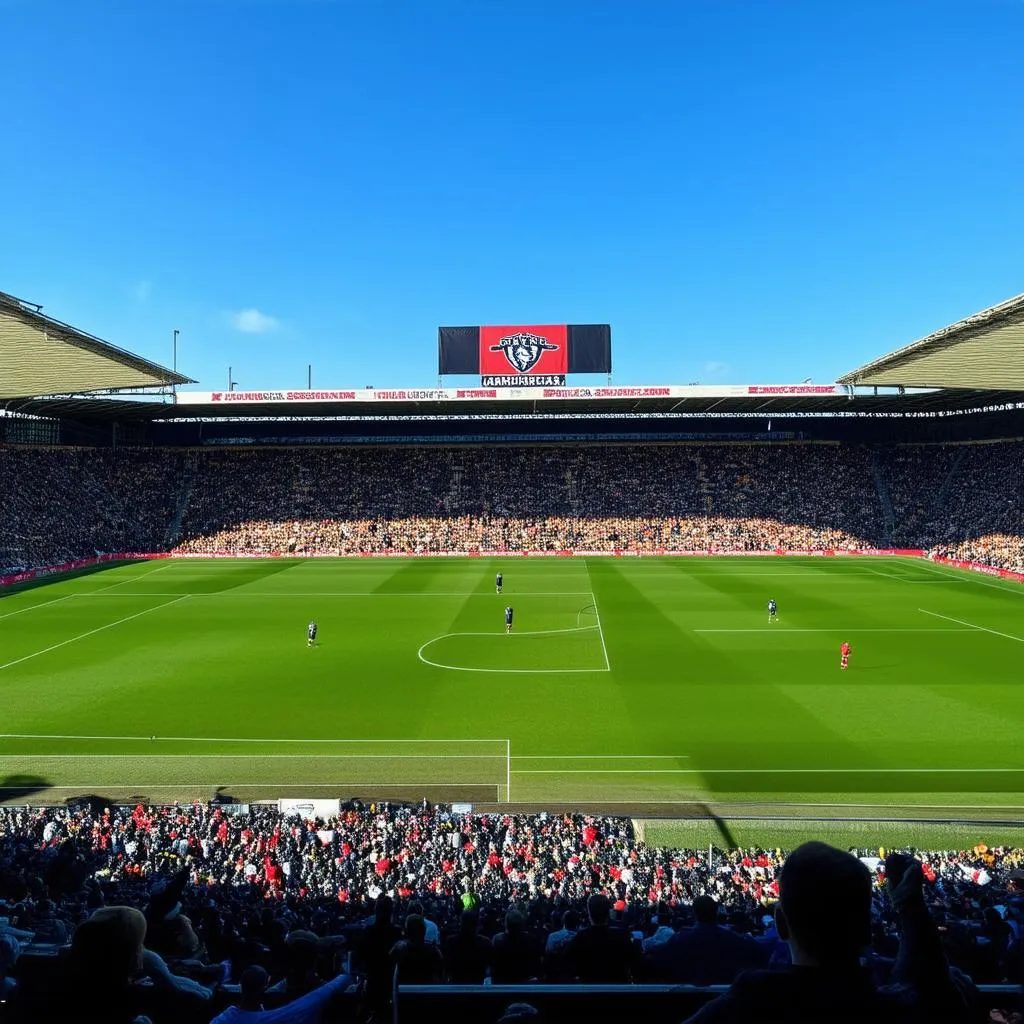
[{"x": 748, "y": 192}]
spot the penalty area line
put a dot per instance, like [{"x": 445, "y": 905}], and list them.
[
  {"x": 91, "y": 632},
  {"x": 972, "y": 626},
  {"x": 227, "y": 739}
]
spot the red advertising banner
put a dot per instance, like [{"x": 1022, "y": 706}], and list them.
[
  {"x": 82, "y": 563},
  {"x": 985, "y": 570},
  {"x": 524, "y": 350}
]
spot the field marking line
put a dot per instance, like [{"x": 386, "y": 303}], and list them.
[
  {"x": 370, "y": 786},
  {"x": 600, "y": 757},
  {"x": 82, "y": 636},
  {"x": 963, "y": 576},
  {"x": 510, "y": 671},
  {"x": 132, "y": 579},
  {"x": 339, "y": 593},
  {"x": 884, "y": 575},
  {"x": 42, "y": 604},
  {"x": 837, "y": 629},
  {"x": 983, "y": 629},
  {"x": 759, "y": 771},
  {"x": 368, "y": 757},
  {"x": 223, "y": 739},
  {"x": 267, "y": 757},
  {"x": 597, "y": 612}
]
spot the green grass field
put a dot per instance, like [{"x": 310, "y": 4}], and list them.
[{"x": 656, "y": 684}]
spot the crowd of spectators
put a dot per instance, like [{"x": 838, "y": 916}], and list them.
[
  {"x": 251, "y": 906},
  {"x": 58, "y": 505},
  {"x": 70, "y": 503}
]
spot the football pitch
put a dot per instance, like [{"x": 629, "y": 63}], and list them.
[{"x": 653, "y": 683}]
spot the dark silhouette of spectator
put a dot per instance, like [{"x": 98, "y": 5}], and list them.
[
  {"x": 374, "y": 945},
  {"x": 515, "y": 952},
  {"x": 706, "y": 954},
  {"x": 467, "y": 954},
  {"x": 417, "y": 961},
  {"x": 253, "y": 984},
  {"x": 601, "y": 952},
  {"x": 825, "y": 917}
]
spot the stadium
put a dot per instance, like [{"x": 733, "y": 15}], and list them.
[{"x": 644, "y": 725}]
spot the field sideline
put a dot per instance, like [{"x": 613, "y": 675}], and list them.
[{"x": 652, "y": 683}]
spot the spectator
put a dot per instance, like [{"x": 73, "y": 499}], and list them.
[
  {"x": 515, "y": 952},
  {"x": 417, "y": 961},
  {"x": 825, "y": 917},
  {"x": 557, "y": 940},
  {"x": 601, "y": 953},
  {"x": 706, "y": 954},
  {"x": 467, "y": 954}
]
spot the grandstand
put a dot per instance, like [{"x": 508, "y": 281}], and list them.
[{"x": 163, "y": 550}]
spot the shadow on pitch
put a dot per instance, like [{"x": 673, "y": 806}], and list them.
[
  {"x": 728, "y": 840},
  {"x": 19, "y": 789}
]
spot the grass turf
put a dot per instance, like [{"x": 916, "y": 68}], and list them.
[{"x": 652, "y": 683}]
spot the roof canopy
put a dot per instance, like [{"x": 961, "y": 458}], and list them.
[
  {"x": 42, "y": 356},
  {"x": 984, "y": 351},
  {"x": 734, "y": 400}
]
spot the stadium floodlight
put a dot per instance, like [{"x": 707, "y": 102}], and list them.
[{"x": 174, "y": 350}]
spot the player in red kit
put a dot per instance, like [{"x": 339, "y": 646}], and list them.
[{"x": 844, "y": 655}]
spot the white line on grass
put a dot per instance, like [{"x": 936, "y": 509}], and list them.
[
  {"x": 355, "y": 786},
  {"x": 971, "y": 625},
  {"x": 266, "y": 757},
  {"x": 227, "y": 739},
  {"x": 340, "y": 593},
  {"x": 377, "y": 757},
  {"x": 132, "y": 579},
  {"x": 964, "y": 576},
  {"x": 757, "y": 771},
  {"x": 884, "y": 575},
  {"x": 836, "y": 629},
  {"x": 597, "y": 612},
  {"x": 510, "y": 671},
  {"x": 82, "y": 636},
  {"x": 33, "y": 607}
]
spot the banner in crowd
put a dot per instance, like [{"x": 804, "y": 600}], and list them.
[
  {"x": 309, "y": 808},
  {"x": 519, "y": 355},
  {"x": 531, "y": 388}
]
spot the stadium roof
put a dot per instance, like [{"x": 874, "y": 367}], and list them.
[
  {"x": 694, "y": 400},
  {"x": 42, "y": 356},
  {"x": 984, "y": 351}
]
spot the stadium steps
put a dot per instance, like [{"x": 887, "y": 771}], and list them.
[
  {"x": 947, "y": 484},
  {"x": 188, "y": 482},
  {"x": 884, "y": 498}
]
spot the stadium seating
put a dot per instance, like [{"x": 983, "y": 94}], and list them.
[
  {"x": 544, "y": 900},
  {"x": 965, "y": 501}
]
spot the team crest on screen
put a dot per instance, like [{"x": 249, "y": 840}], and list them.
[{"x": 524, "y": 350}]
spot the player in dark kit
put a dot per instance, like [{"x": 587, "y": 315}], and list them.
[
  {"x": 508, "y": 620},
  {"x": 497, "y": 583},
  {"x": 844, "y": 655},
  {"x": 773, "y": 611},
  {"x": 311, "y": 634}
]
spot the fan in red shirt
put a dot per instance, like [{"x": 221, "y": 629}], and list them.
[{"x": 844, "y": 655}]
